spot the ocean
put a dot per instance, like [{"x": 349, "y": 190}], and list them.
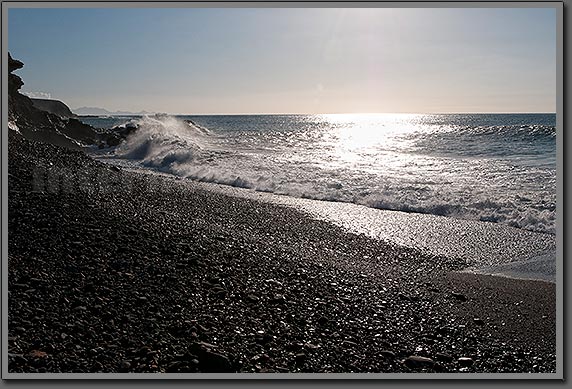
[{"x": 497, "y": 168}]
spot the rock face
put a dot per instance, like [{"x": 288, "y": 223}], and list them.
[
  {"x": 18, "y": 104},
  {"x": 55, "y": 107},
  {"x": 45, "y": 125}
]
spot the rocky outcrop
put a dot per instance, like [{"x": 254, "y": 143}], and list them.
[
  {"x": 54, "y": 106},
  {"x": 125, "y": 130},
  {"x": 45, "y": 126},
  {"x": 18, "y": 104}
]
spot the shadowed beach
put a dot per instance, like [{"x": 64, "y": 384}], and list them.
[{"x": 114, "y": 271}]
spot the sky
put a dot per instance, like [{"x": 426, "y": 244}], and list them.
[{"x": 289, "y": 60}]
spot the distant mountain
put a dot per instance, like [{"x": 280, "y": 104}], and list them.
[{"x": 104, "y": 112}]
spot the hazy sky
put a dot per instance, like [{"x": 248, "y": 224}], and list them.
[{"x": 290, "y": 60}]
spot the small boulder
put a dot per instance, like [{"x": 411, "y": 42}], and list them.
[
  {"x": 465, "y": 361},
  {"x": 211, "y": 362},
  {"x": 252, "y": 298},
  {"x": 124, "y": 366},
  {"x": 417, "y": 362},
  {"x": 387, "y": 354},
  {"x": 443, "y": 357}
]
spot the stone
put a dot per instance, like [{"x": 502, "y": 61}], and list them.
[
  {"x": 38, "y": 354},
  {"x": 14, "y": 64},
  {"x": 300, "y": 358},
  {"x": 465, "y": 361},
  {"x": 349, "y": 343},
  {"x": 295, "y": 346},
  {"x": 443, "y": 357},
  {"x": 252, "y": 298},
  {"x": 211, "y": 362},
  {"x": 124, "y": 366},
  {"x": 278, "y": 299},
  {"x": 417, "y": 362},
  {"x": 387, "y": 354}
]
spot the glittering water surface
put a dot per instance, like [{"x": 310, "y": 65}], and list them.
[{"x": 485, "y": 167}]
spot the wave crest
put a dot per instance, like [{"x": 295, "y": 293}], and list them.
[
  {"x": 163, "y": 142},
  {"x": 183, "y": 148}
]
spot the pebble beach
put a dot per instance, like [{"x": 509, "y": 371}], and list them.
[{"x": 120, "y": 272}]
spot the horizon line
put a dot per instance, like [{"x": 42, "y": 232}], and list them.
[{"x": 322, "y": 113}]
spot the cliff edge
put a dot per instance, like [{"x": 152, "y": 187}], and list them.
[
  {"x": 54, "y": 106},
  {"x": 25, "y": 118}
]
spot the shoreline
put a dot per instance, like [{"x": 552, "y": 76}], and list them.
[
  {"x": 131, "y": 273},
  {"x": 505, "y": 252},
  {"x": 535, "y": 257}
]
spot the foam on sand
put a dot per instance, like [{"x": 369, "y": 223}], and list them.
[{"x": 488, "y": 248}]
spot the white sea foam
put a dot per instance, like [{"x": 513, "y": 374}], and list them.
[
  {"x": 162, "y": 142},
  {"x": 325, "y": 161}
]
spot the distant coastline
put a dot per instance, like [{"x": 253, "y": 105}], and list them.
[{"x": 96, "y": 111}]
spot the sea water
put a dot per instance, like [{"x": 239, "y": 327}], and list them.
[{"x": 496, "y": 168}]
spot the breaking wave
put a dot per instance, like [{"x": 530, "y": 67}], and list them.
[
  {"x": 287, "y": 163},
  {"x": 164, "y": 142}
]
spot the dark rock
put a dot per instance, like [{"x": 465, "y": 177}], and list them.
[
  {"x": 37, "y": 354},
  {"x": 124, "y": 366},
  {"x": 124, "y": 130},
  {"x": 211, "y": 362},
  {"x": 173, "y": 367},
  {"x": 387, "y": 354},
  {"x": 252, "y": 298},
  {"x": 404, "y": 297},
  {"x": 97, "y": 367},
  {"x": 267, "y": 338},
  {"x": 478, "y": 321},
  {"x": 296, "y": 346},
  {"x": 443, "y": 357},
  {"x": 465, "y": 361},
  {"x": 438, "y": 368},
  {"x": 311, "y": 346},
  {"x": 417, "y": 362},
  {"x": 277, "y": 299},
  {"x": 49, "y": 121},
  {"x": 459, "y": 296},
  {"x": 55, "y": 107},
  {"x": 14, "y": 64}
]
